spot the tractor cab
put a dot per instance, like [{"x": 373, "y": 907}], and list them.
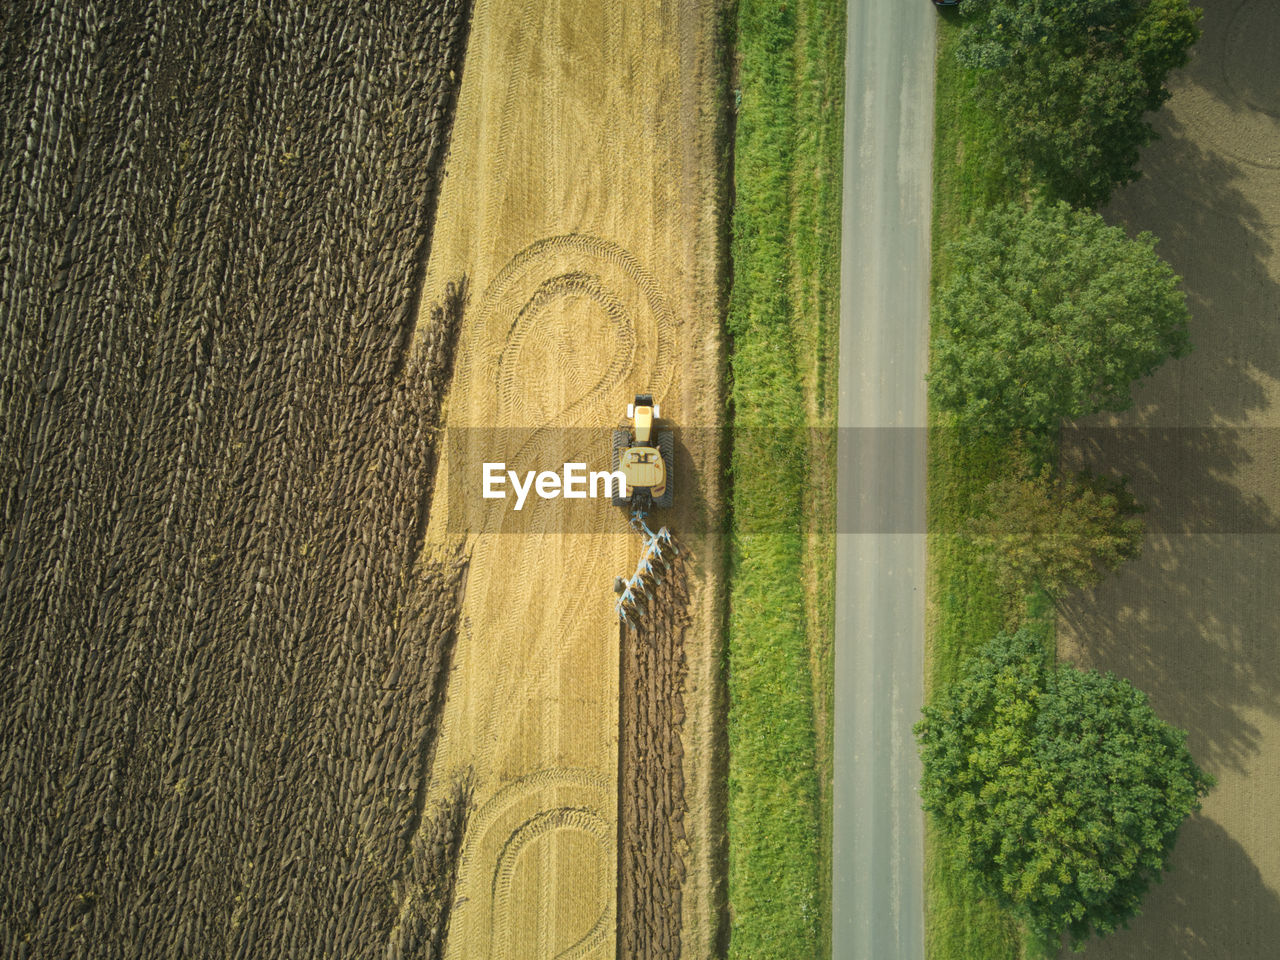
[{"x": 643, "y": 452}]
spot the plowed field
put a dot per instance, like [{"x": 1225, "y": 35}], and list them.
[
  {"x": 220, "y": 656},
  {"x": 651, "y": 867},
  {"x": 580, "y": 201}
]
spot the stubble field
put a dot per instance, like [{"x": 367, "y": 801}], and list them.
[{"x": 581, "y": 203}]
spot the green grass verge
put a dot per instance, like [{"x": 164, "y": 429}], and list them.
[
  {"x": 783, "y": 321},
  {"x": 966, "y": 605},
  {"x": 817, "y": 202}
]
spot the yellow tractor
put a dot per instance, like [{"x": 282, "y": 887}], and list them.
[{"x": 644, "y": 453}]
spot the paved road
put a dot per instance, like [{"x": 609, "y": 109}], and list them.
[{"x": 878, "y": 904}]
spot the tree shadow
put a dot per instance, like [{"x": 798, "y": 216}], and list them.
[
  {"x": 1213, "y": 904},
  {"x": 1190, "y": 480},
  {"x": 1193, "y": 621},
  {"x": 1193, "y": 624},
  {"x": 1216, "y": 239},
  {"x": 1234, "y": 60}
]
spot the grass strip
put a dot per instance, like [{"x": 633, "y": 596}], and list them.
[
  {"x": 965, "y": 604},
  {"x": 783, "y": 321},
  {"x": 817, "y": 203}
]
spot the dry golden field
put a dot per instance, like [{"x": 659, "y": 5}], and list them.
[{"x": 580, "y": 201}]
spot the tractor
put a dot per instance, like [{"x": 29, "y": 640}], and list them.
[{"x": 644, "y": 453}]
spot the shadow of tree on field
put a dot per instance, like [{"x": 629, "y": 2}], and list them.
[
  {"x": 1192, "y": 623},
  {"x": 1213, "y": 905},
  {"x": 1217, "y": 240},
  {"x": 1188, "y": 479}
]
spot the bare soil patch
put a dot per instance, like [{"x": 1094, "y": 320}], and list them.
[
  {"x": 651, "y": 803},
  {"x": 1194, "y": 621}
]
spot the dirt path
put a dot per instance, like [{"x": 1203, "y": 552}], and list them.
[
  {"x": 1195, "y": 621},
  {"x": 580, "y": 201}
]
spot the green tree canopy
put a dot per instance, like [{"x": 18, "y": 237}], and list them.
[
  {"x": 1050, "y": 313},
  {"x": 1057, "y": 532},
  {"x": 1061, "y": 789},
  {"x": 1070, "y": 81}
]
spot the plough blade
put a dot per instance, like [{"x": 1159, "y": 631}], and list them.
[{"x": 631, "y": 602}]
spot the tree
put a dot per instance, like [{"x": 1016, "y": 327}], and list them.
[
  {"x": 1060, "y": 791},
  {"x": 1070, "y": 82},
  {"x": 1057, "y": 532},
  {"x": 1050, "y": 313}
]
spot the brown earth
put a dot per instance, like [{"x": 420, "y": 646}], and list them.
[
  {"x": 221, "y": 661},
  {"x": 580, "y": 201},
  {"x": 1195, "y": 622},
  {"x": 651, "y": 870}
]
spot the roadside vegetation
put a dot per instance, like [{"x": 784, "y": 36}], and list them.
[
  {"x": 966, "y": 601},
  {"x": 1069, "y": 811},
  {"x": 1043, "y": 530},
  {"x": 1020, "y": 286},
  {"x": 1049, "y": 314},
  {"x": 1070, "y": 85},
  {"x": 783, "y": 321}
]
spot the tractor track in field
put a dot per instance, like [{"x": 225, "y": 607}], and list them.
[{"x": 520, "y": 329}]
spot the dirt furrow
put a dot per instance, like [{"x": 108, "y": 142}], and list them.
[
  {"x": 651, "y": 802},
  {"x": 222, "y": 660}
]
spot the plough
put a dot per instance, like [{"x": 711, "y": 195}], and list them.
[
  {"x": 635, "y": 596},
  {"x": 643, "y": 452}
]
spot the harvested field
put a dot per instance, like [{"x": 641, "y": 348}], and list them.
[
  {"x": 1195, "y": 621},
  {"x": 581, "y": 203},
  {"x": 223, "y": 663}
]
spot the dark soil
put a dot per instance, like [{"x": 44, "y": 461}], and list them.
[
  {"x": 221, "y": 660},
  {"x": 421, "y": 932},
  {"x": 651, "y": 806}
]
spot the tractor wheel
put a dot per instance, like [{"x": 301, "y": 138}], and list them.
[
  {"x": 621, "y": 440},
  {"x": 667, "y": 447}
]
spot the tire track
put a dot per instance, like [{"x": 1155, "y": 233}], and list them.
[
  {"x": 534, "y": 806},
  {"x": 557, "y": 820},
  {"x": 578, "y": 186},
  {"x": 517, "y": 299}
]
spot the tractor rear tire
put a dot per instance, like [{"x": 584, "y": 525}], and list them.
[
  {"x": 667, "y": 447},
  {"x": 621, "y": 440}
]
